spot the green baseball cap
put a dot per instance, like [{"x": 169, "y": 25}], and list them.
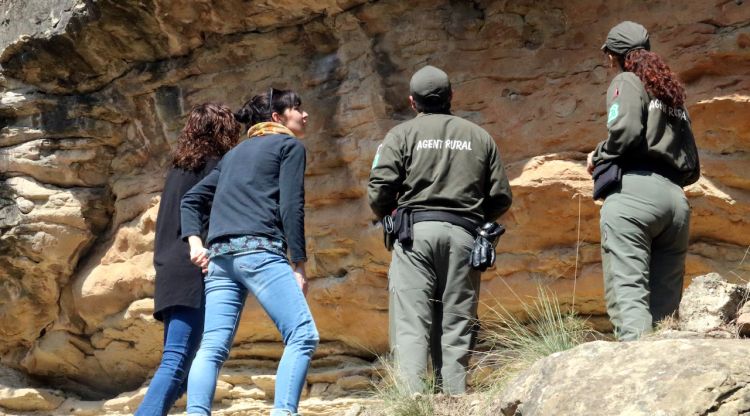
[
  {"x": 430, "y": 83},
  {"x": 625, "y": 37}
]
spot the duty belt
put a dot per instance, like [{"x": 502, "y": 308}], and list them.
[
  {"x": 449, "y": 217},
  {"x": 399, "y": 225}
]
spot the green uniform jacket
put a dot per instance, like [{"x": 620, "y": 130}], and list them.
[
  {"x": 439, "y": 162},
  {"x": 645, "y": 132}
]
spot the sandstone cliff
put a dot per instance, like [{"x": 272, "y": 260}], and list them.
[{"x": 94, "y": 93}]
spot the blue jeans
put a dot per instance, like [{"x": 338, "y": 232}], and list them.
[
  {"x": 270, "y": 278},
  {"x": 183, "y": 327}
]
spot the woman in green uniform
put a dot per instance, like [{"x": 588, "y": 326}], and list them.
[{"x": 640, "y": 169}]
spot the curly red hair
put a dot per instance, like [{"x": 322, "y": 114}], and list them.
[
  {"x": 656, "y": 76},
  {"x": 211, "y": 131}
]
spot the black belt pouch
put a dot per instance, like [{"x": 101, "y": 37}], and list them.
[
  {"x": 607, "y": 176},
  {"x": 404, "y": 226}
]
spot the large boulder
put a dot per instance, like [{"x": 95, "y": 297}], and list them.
[{"x": 653, "y": 378}]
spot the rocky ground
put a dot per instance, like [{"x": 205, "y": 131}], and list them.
[
  {"x": 336, "y": 383},
  {"x": 692, "y": 365}
]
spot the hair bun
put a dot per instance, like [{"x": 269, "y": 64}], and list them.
[{"x": 243, "y": 115}]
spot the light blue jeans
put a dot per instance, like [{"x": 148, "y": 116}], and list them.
[
  {"x": 183, "y": 327},
  {"x": 270, "y": 278}
]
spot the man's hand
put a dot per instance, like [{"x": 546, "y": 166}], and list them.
[
  {"x": 299, "y": 274},
  {"x": 198, "y": 254},
  {"x": 590, "y": 163}
]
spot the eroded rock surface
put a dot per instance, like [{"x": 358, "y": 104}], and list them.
[
  {"x": 711, "y": 303},
  {"x": 664, "y": 377},
  {"x": 686, "y": 367},
  {"x": 94, "y": 94},
  {"x": 18, "y": 393}
]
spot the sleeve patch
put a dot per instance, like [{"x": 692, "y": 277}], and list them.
[
  {"x": 377, "y": 158},
  {"x": 614, "y": 111}
]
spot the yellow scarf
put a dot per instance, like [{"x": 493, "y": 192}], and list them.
[{"x": 268, "y": 127}]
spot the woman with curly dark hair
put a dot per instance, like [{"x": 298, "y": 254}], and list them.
[
  {"x": 640, "y": 170},
  {"x": 210, "y": 132}
]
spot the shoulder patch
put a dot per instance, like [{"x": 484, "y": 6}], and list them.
[
  {"x": 377, "y": 157},
  {"x": 614, "y": 111}
]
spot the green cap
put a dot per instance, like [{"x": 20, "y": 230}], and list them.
[
  {"x": 430, "y": 83},
  {"x": 625, "y": 37}
]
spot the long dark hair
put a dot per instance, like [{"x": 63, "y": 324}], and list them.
[
  {"x": 257, "y": 109},
  {"x": 655, "y": 75},
  {"x": 211, "y": 131}
]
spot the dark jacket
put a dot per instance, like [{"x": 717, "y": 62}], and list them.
[
  {"x": 646, "y": 134},
  {"x": 257, "y": 189},
  {"x": 178, "y": 281},
  {"x": 439, "y": 162}
]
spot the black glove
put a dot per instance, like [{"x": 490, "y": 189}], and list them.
[{"x": 483, "y": 252}]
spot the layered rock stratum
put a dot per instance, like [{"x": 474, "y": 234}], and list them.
[{"x": 94, "y": 93}]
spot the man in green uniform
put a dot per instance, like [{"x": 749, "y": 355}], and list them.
[
  {"x": 645, "y": 218},
  {"x": 447, "y": 172}
]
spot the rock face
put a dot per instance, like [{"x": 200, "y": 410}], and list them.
[
  {"x": 93, "y": 95},
  {"x": 664, "y": 377}
]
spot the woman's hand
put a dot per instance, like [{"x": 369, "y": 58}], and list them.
[
  {"x": 590, "y": 163},
  {"x": 299, "y": 274},
  {"x": 198, "y": 253}
]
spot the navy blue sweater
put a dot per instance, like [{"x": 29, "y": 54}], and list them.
[{"x": 258, "y": 189}]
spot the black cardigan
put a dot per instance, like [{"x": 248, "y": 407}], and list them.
[
  {"x": 258, "y": 189},
  {"x": 178, "y": 281}
]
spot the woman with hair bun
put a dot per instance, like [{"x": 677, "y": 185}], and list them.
[
  {"x": 257, "y": 216},
  {"x": 209, "y": 133},
  {"x": 640, "y": 169}
]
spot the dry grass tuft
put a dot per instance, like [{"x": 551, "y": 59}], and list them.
[
  {"x": 669, "y": 323},
  {"x": 515, "y": 345},
  {"x": 397, "y": 398}
]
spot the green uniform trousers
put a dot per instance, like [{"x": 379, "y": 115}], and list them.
[
  {"x": 644, "y": 231},
  {"x": 433, "y": 301}
]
